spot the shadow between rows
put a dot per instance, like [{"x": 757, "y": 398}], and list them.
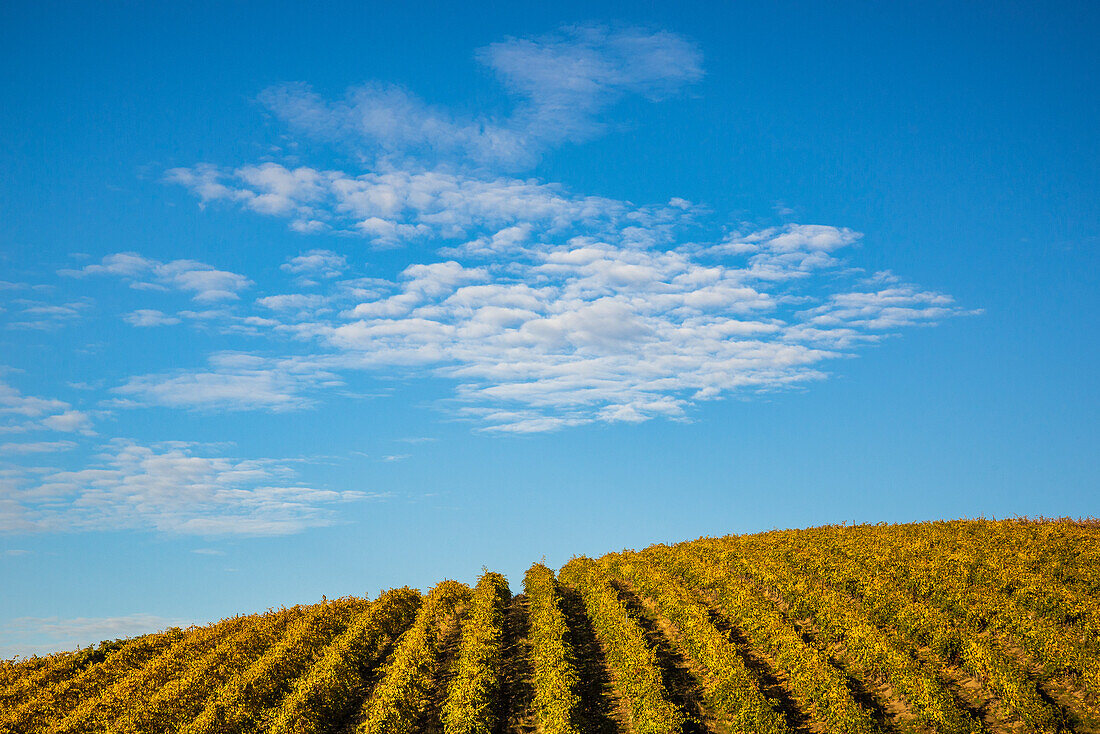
[
  {"x": 517, "y": 692},
  {"x": 684, "y": 690},
  {"x": 770, "y": 683},
  {"x": 597, "y": 709}
]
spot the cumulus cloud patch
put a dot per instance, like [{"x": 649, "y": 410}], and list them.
[
  {"x": 398, "y": 206},
  {"x": 549, "y": 335},
  {"x": 38, "y": 315},
  {"x": 36, "y": 447},
  {"x": 150, "y": 317},
  {"x": 557, "y": 335},
  {"x": 316, "y": 264},
  {"x": 13, "y": 403}
]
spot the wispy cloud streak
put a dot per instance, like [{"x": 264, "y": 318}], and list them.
[
  {"x": 204, "y": 282},
  {"x": 561, "y": 82},
  {"x": 173, "y": 487}
]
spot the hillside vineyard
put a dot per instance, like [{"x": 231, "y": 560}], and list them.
[{"x": 951, "y": 627}]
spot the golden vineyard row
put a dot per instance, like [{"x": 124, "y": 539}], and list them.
[{"x": 954, "y": 627}]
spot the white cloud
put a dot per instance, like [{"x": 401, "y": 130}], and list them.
[
  {"x": 792, "y": 251},
  {"x": 316, "y": 264},
  {"x": 395, "y": 206},
  {"x": 170, "y": 488},
  {"x": 551, "y": 335},
  {"x": 205, "y": 283},
  {"x": 546, "y": 335},
  {"x": 294, "y": 303},
  {"x": 568, "y": 77},
  {"x": 890, "y": 308},
  {"x": 71, "y": 421},
  {"x": 43, "y": 316},
  {"x": 544, "y": 307},
  {"x": 561, "y": 82},
  {"x": 150, "y": 317},
  {"x": 24, "y": 413},
  {"x": 14, "y": 403},
  {"x": 235, "y": 381}
]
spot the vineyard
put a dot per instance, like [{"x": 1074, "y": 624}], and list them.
[{"x": 953, "y": 627}]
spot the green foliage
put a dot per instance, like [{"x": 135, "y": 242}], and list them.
[
  {"x": 891, "y": 609},
  {"x": 555, "y": 676},
  {"x": 182, "y": 698},
  {"x": 100, "y": 713},
  {"x": 474, "y": 691},
  {"x": 400, "y": 699},
  {"x": 905, "y": 579},
  {"x": 812, "y": 678},
  {"x": 243, "y": 703},
  {"x": 338, "y": 682},
  {"x": 51, "y": 704},
  {"x": 729, "y": 688},
  {"x": 633, "y": 662}
]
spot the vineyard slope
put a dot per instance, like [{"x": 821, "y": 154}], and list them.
[{"x": 955, "y": 627}]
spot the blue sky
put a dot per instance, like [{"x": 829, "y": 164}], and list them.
[{"x": 298, "y": 302}]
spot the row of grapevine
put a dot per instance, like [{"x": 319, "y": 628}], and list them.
[
  {"x": 54, "y": 702},
  {"x": 400, "y": 698},
  {"x": 26, "y": 679},
  {"x": 338, "y": 682},
  {"x": 950, "y": 638},
  {"x": 181, "y": 699},
  {"x": 915, "y": 597},
  {"x": 836, "y": 613},
  {"x": 729, "y": 688},
  {"x": 1050, "y": 568},
  {"x": 99, "y": 713},
  {"x": 813, "y": 680},
  {"x": 1059, "y": 649},
  {"x": 965, "y": 585},
  {"x": 555, "y": 677},
  {"x": 245, "y": 703},
  {"x": 474, "y": 692},
  {"x": 1037, "y": 568},
  {"x": 19, "y": 674},
  {"x": 876, "y": 652},
  {"x": 631, "y": 660}
]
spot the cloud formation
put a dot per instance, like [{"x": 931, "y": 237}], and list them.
[
  {"x": 544, "y": 307},
  {"x": 149, "y": 317},
  {"x": 36, "y": 447},
  {"x": 315, "y": 264},
  {"x": 234, "y": 381},
  {"x": 167, "y": 487},
  {"x": 394, "y": 207},
  {"x": 560, "y": 82},
  {"x": 205, "y": 283},
  {"x": 20, "y": 414},
  {"x": 543, "y": 336},
  {"x": 41, "y": 315}
]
